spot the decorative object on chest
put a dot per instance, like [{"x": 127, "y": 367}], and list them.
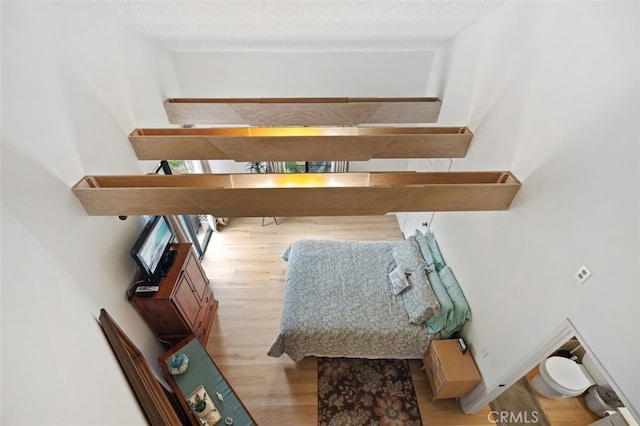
[
  {"x": 451, "y": 371},
  {"x": 178, "y": 364},
  {"x": 203, "y": 407},
  {"x": 183, "y": 303}
]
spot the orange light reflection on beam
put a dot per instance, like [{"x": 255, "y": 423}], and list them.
[
  {"x": 301, "y": 131},
  {"x": 300, "y": 180}
]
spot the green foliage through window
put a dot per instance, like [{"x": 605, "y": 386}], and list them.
[{"x": 308, "y": 166}]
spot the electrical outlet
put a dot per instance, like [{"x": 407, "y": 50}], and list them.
[{"x": 582, "y": 274}]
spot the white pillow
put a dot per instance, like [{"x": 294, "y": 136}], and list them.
[{"x": 398, "y": 280}]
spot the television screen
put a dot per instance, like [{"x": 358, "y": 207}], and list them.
[{"x": 152, "y": 246}]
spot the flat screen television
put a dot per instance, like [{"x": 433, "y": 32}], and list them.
[{"x": 151, "y": 250}]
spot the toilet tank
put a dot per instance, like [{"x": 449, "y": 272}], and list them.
[{"x": 593, "y": 370}]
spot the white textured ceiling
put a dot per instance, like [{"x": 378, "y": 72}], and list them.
[{"x": 299, "y": 25}]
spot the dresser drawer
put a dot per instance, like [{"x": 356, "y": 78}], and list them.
[{"x": 202, "y": 327}]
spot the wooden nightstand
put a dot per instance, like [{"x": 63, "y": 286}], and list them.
[{"x": 451, "y": 374}]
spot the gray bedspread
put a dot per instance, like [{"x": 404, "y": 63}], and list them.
[{"x": 338, "y": 302}]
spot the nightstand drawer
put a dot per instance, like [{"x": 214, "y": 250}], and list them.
[
  {"x": 432, "y": 366},
  {"x": 451, "y": 373}
]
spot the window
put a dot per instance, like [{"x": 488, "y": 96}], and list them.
[
  {"x": 308, "y": 166},
  {"x": 197, "y": 227}
]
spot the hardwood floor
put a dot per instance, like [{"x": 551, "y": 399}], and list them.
[
  {"x": 563, "y": 412},
  {"x": 247, "y": 276}
]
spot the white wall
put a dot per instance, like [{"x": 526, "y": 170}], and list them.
[
  {"x": 551, "y": 91},
  {"x": 228, "y": 166},
  {"x": 303, "y": 74},
  {"x": 73, "y": 87},
  {"x": 379, "y": 165}
]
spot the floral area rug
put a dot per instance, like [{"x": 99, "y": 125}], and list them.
[{"x": 359, "y": 392}]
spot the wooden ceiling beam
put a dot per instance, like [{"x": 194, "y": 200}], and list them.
[
  {"x": 300, "y": 143},
  {"x": 309, "y": 194},
  {"x": 302, "y": 111}
]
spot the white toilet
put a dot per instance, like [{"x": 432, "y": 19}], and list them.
[{"x": 563, "y": 378}]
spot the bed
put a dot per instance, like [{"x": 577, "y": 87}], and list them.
[{"x": 340, "y": 300}]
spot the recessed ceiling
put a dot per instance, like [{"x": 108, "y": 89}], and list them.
[{"x": 299, "y": 25}]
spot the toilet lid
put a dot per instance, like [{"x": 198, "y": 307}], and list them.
[{"x": 567, "y": 373}]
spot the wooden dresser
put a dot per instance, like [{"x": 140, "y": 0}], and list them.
[
  {"x": 451, "y": 373},
  {"x": 184, "y": 303}
]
